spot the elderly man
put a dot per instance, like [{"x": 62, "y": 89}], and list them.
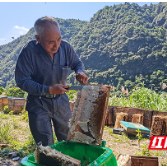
[{"x": 41, "y": 70}]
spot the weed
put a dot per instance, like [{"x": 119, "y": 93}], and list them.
[
  {"x": 5, "y": 151},
  {"x": 24, "y": 116},
  {"x": 144, "y": 151},
  {"x": 123, "y": 138},
  {"x": 4, "y": 116},
  {"x": 139, "y": 136},
  {"x": 21, "y": 153},
  {"x": 158, "y": 152},
  {"x": 5, "y": 131},
  {"x": 30, "y": 145},
  {"x": 71, "y": 95},
  {"x": 11, "y": 112},
  {"x": 6, "y": 109},
  {"x": 163, "y": 163},
  {"x": 15, "y": 122},
  {"x": 106, "y": 128},
  {"x": 118, "y": 140}
]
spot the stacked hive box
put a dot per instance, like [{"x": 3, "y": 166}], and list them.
[
  {"x": 137, "y": 118},
  {"x": 16, "y": 104},
  {"x": 159, "y": 126},
  {"x": 109, "y": 117},
  {"x": 3, "y": 102},
  {"x": 0, "y": 104},
  {"x": 120, "y": 117}
]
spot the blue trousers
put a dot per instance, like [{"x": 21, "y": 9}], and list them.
[{"x": 42, "y": 111}]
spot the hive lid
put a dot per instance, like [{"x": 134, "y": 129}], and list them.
[
  {"x": 12, "y": 97},
  {"x": 135, "y": 126},
  {"x": 89, "y": 113}
]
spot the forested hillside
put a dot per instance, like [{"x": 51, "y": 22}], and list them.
[
  {"x": 121, "y": 45},
  {"x": 125, "y": 45}
]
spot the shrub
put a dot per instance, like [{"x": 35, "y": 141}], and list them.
[
  {"x": 16, "y": 92},
  {"x": 71, "y": 94},
  {"x": 2, "y": 90},
  {"x": 6, "y": 109}
]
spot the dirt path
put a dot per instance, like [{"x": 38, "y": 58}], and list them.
[{"x": 120, "y": 144}]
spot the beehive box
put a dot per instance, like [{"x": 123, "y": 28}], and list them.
[
  {"x": 147, "y": 114},
  {"x": 0, "y": 104},
  {"x": 120, "y": 117},
  {"x": 159, "y": 125},
  {"x": 3, "y": 102},
  {"x": 109, "y": 116},
  {"x": 16, "y": 104},
  {"x": 130, "y": 160},
  {"x": 137, "y": 118}
]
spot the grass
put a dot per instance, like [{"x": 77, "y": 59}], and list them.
[
  {"x": 144, "y": 151},
  {"x": 141, "y": 97},
  {"x": 119, "y": 138},
  {"x": 5, "y": 130},
  {"x": 14, "y": 130}
]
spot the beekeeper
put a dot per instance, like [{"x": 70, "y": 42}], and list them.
[{"x": 42, "y": 70}]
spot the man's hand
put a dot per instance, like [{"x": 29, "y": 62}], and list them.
[
  {"x": 81, "y": 77},
  {"x": 58, "y": 89}
]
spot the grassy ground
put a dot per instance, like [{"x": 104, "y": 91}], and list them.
[{"x": 14, "y": 129}]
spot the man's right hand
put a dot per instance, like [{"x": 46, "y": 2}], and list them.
[{"x": 58, "y": 89}]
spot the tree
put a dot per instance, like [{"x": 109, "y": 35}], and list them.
[{"x": 16, "y": 92}]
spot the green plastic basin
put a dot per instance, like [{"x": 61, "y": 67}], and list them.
[{"x": 87, "y": 154}]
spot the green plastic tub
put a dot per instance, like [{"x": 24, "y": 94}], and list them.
[{"x": 88, "y": 154}]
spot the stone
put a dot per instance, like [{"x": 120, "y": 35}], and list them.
[
  {"x": 3, "y": 151},
  {"x": 12, "y": 154},
  {"x": 16, "y": 158}
]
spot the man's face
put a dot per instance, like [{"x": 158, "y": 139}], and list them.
[{"x": 50, "y": 39}]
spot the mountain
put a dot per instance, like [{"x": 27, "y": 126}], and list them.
[
  {"x": 121, "y": 45},
  {"x": 124, "y": 45}
]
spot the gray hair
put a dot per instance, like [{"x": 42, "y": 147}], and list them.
[{"x": 42, "y": 23}]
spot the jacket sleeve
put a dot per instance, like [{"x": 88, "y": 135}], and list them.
[
  {"x": 75, "y": 62},
  {"x": 23, "y": 74}
]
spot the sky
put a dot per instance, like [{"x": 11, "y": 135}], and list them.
[{"x": 18, "y": 17}]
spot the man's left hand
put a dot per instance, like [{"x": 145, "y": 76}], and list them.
[{"x": 81, "y": 77}]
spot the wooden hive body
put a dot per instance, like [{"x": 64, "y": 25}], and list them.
[
  {"x": 120, "y": 117},
  {"x": 137, "y": 118},
  {"x": 16, "y": 104},
  {"x": 89, "y": 113},
  {"x": 159, "y": 126}
]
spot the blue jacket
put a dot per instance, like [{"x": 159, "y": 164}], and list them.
[{"x": 36, "y": 70}]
